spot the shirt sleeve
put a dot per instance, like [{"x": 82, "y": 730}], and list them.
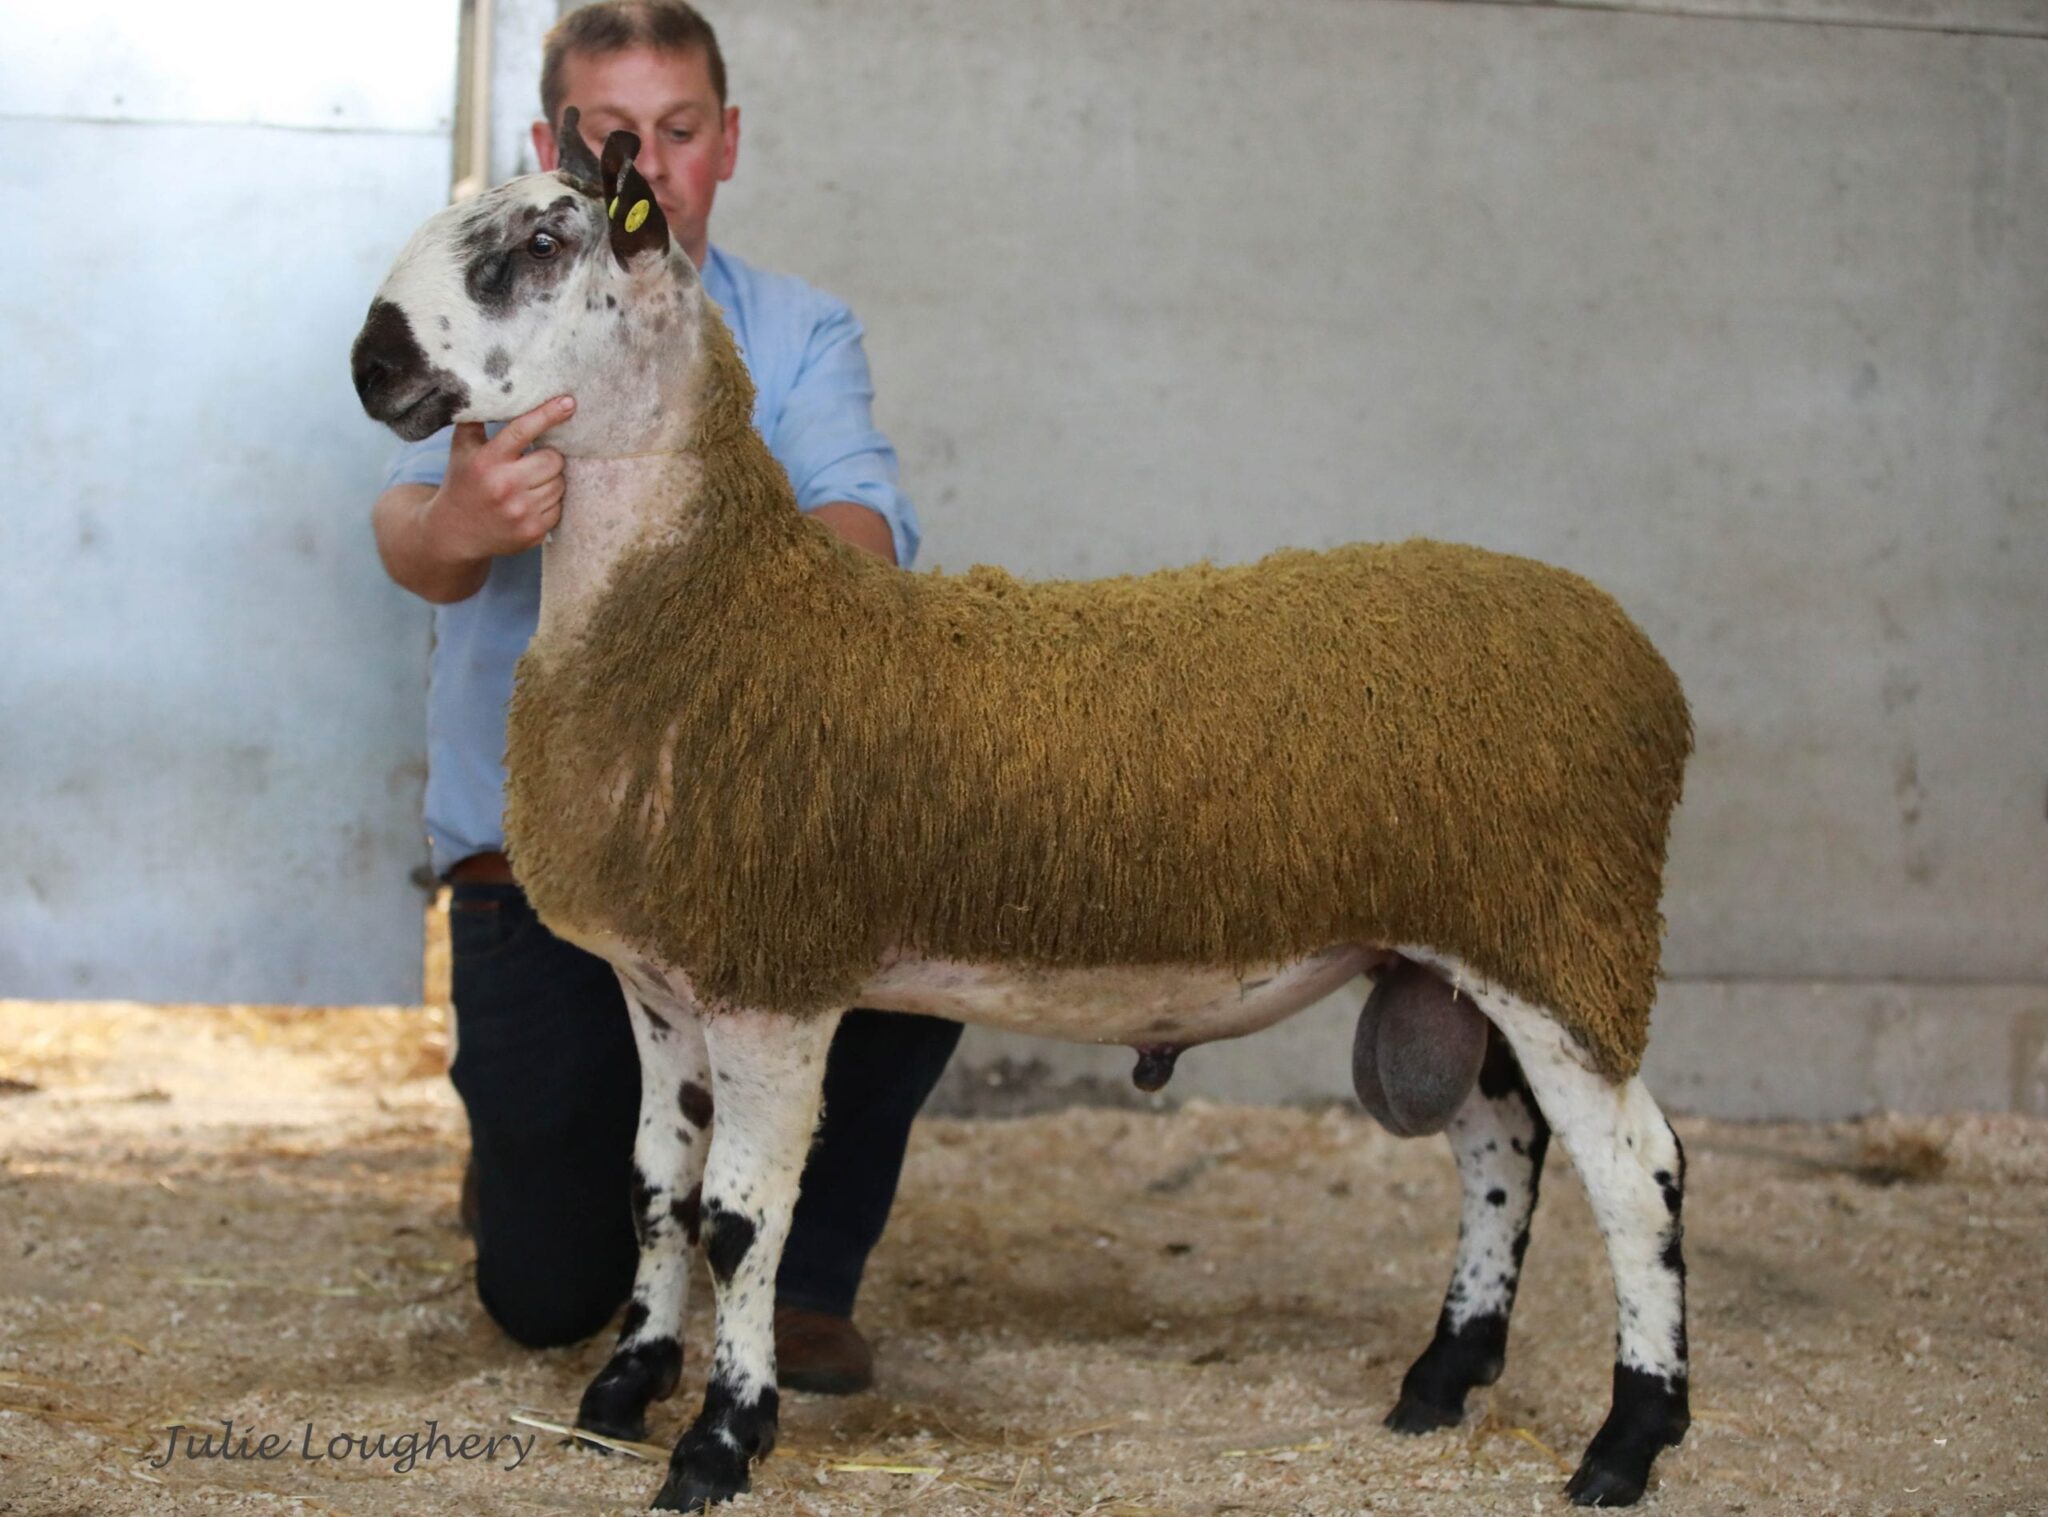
[
  {"x": 422, "y": 463},
  {"x": 826, "y": 435}
]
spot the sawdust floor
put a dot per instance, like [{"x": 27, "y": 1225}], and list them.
[{"x": 249, "y": 1215}]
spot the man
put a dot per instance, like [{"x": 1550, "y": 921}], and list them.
[{"x": 545, "y": 1062}]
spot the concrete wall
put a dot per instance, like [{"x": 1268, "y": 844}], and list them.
[
  {"x": 1743, "y": 314},
  {"x": 1738, "y": 306},
  {"x": 211, "y": 739}
]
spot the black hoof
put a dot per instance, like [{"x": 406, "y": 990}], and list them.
[
  {"x": 701, "y": 1473},
  {"x": 615, "y": 1404},
  {"x": 1411, "y": 1414},
  {"x": 1650, "y": 1414},
  {"x": 1434, "y": 1389},
  {"x": 1603, "y": 1485}
]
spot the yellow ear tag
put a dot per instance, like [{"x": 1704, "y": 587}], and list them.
[
  {"x": 612, "y": 210},
  {"x": 636, "y": 216}
]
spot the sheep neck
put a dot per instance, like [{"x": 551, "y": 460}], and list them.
[
  {"x": 653, "y": 500},
  {"x": 611, "y": 507}
]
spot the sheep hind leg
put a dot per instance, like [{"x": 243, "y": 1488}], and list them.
[
  {"x": 668, "y": 1164},
  {"x": 1498, "y": 1137},
  {"x": 768, "y": 1080},
  {"x": 1633, "y": 1170}
]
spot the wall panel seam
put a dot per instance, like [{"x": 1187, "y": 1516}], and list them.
[{"x": 1678, "y": 11}]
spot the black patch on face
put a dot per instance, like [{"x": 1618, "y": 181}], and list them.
[
  {"x": 395, "y": 381},
  {"x": 497, "y": 363},
  {"x": 696, "y": 1103},
  {"x": 611, "y": 302},
  {"x": 727, "y": 1237},
  {"x": 1496, "y": 1197},
  {"x": 498, "y": 271}
]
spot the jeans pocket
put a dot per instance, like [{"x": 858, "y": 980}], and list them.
[{"x": 486, "y": 921}]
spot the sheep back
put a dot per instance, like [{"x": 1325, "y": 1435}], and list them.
[{"x": 1417, "y": 743}]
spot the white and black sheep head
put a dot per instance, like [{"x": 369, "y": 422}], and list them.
[{"x": 552, "y": 284}]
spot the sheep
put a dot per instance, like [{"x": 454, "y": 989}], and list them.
[{"x": 767, "y": 777}]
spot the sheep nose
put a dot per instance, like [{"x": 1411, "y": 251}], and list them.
[
  {"x": 374, "y": 370},
  {"x": 385, "y": 352}
]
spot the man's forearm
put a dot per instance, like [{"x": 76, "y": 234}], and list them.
[
  {"x": 408, "y": 550},
  {"x": 862, "y": 526}
]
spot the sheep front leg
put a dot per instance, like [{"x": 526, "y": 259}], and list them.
[
  {"x": 1633, "y": 1170},
  {"x": 767, "y": 1080},
  {"x": 668, "y": 1165}
]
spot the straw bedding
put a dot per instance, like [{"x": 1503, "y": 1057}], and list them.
[{"x": 1418, "y": 743}]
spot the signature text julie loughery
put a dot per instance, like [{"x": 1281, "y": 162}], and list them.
[{"x": 403, "y": 1452}]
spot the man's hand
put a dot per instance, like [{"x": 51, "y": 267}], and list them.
[{"x": 495, "y": 499}]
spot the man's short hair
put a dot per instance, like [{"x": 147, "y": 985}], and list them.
[{"x": 612, "y": 26}]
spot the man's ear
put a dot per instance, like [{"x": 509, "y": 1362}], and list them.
[
  {"x": 636, "y": 223},
  {"x": 572, "y": 153}
]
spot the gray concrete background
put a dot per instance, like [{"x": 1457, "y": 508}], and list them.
[
  {"x": 1740, "y": 308},
  {"x": 211, "y": 731},
  {"x": 1745, "y": 318}
]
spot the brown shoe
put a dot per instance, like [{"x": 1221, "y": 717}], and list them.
[{"x": 820, "y": 1353}]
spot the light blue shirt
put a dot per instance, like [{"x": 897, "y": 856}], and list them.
[{"x": 812, "y": 400}]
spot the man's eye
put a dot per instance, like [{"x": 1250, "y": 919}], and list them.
[
  {"x": 680, "y": 134},
  {"x": 542, "y": 245}
]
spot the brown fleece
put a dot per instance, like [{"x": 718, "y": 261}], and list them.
[{"x": 1410, "y": 744}]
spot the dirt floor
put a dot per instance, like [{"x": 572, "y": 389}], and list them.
[{"x": 249, "y": 1215}]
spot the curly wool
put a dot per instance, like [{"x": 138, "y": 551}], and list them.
[{"x": 769, "y": 759}]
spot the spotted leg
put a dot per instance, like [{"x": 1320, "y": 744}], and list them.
[
  {"x": 1498, "y": 1137},
  {"x": 668, "y": 1164},
  {"x": 768, "y": 1078},
  {"x": 1633, "y": 1170}
]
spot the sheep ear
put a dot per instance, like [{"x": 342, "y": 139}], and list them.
[
  {"x": 637, "y": 225},
  {"x": 572, "y": 153},
  {"x": 620, "y": 149}
]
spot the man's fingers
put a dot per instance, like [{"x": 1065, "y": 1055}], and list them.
[
  {"x": 520, "y": 431},
  {"x": 540, "y": 509},
  {"x": 536, "y": 468},
  {"x": 469, "y": 436}
]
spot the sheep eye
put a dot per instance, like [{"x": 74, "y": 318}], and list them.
[{"x": 542, "y": 245}]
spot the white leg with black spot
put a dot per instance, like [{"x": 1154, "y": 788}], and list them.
[
  {"x": 768, "y": 1083},
  {"x": 669, "y": 1150},
  {"x": 1498, "y": 1144},
  {"x": 1633, "y": 1170},
  {"x": 1498, "y": 1137}
]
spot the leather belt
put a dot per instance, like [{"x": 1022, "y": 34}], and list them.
[{"x": 488, "y": 868}]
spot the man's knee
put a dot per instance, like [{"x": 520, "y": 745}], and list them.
[{"x": 547, "y": 1311}]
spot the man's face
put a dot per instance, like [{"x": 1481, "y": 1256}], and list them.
[{"x": 688, "y": 145}]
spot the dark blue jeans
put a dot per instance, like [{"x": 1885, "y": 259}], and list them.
[{"x": 546, "y": 1068}]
